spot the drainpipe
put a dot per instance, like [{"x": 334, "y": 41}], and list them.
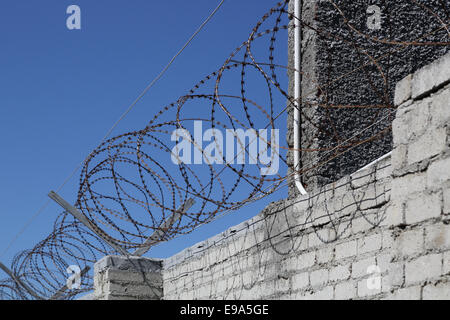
[{"x": 297, "y": 92}]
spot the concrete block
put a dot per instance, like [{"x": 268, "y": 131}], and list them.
[
  {"x": 319, "y": 277},
  {"x": 403, "y": 90},
  {"x": 439, "y": 291},
  {"x": 408, "y": 185},
  {"x": 366, "y": 288},
  {"x": 396, "y": 274},
  {"x": 346, "y": 249},
  {"x": 369, "y": 243},
  {"x": 324, "y": 294},
  {"x": 440, "y": 108},
  {"x": 423, "y": 268},
  {"x": 446, "y": 262},
  {"x": 438, "y": 173},
  {"x": 399, "y": 156},
  {"x": 393, "y": 217},
  {"x": 446, "y": 194},
  {"x": 305, "y": 260},
  {"x": 437, "y": 237},
  {"x": 384, "y": 261},
  {"x": 430, "y": 77},
  {"x": 409, "y": 243},
  {"x": 360, "y": 268},
  {"x": 300, "y": 281},
  {"x": 431, "y": 143},
  {"x": 423, "y": 207},
  {"x": 410, "y": 293},
  {"x": 345, "y": 291},
  {"x": 325, "y": 254},
  {"x": 341, "y": 272}
]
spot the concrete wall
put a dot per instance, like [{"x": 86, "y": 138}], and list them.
[
  {"x": 380, "y": 233},
  {"x": 357, "y": 67}
]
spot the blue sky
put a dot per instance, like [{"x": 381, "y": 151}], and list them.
[{"x": 61, "y": 90}]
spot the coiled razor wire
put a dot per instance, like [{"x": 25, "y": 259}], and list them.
[{"x": 127, "y": 192}]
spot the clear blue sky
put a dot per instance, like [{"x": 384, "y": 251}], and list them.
[{"x": 61, "y": 90}]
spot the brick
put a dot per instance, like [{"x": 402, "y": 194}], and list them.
[
  {"x": 396, "y": 274},
  {"x": 341, "y": 272},
  {"x": 437, "y": 237},
  {"x": 370, "y": 243},
  {"x": 319, "y": 277},
  {"x": 423, "y": 268},
  {"x": 403, "y": 90},
  {"x": 438, "y": 173},
  {"x": 345, "y": 291},
  {"x": 440, "y": 291},
  {"x": 360, "y": 268},
  {"x": 409, "y": 243},
  {"x": 346, "y": 249},
  {"x": 430, "y": 77},
  {"x": 422, "y": 208},
  {"x": 410, "y": 293}
]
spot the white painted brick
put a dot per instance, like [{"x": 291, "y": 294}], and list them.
[
  {"x": 409, "y": 242},
  {"x": 370, "y": 243},
  {"x": 403, "y": 90},
  {"x": 400, "y": 131},
  {"x": 300, "y": 281},
  {"x": 440, "y": 291},
  {"x": 422, "y": 208},
  {"x": 319, "y": 277},
  {"x": 437, "y": 237},
  {"x": 438, "y": 173},
  {"x": 410, "y": 293},
  {"x": 359, "y": 268},
  {"x": 360, "y": 224},
  {"x": 423, "y": 268},
  {"x": 365, "y": 289},
  {"x": 430, "y": 76},
  {"x": 346, "y": 249},
  {"x": 345, "y": 291},
  {"x": 431, "y": 143},
  {"x": 341, "y": 272},
  {"x": 388, "y": 239}
]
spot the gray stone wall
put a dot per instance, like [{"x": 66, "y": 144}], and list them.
[
  {"x": 382, "y": 232},
  {"x": 349, "y": 76}
]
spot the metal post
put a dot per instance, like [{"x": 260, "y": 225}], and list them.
[
  {"x": 19, "y": 282},
  {"x": 78, "y": 215}
]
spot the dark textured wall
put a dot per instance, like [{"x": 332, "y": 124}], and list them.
[{"x": 350, "y": 73}]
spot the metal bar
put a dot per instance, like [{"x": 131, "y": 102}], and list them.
[
  {"x": 165, "y": 225},
  {"x": 19, "y": 282},
  {"x": 78, "y": 215},
  {"x": 60, "y": 292}
]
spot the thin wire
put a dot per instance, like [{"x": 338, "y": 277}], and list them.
[{"x": 158, "y": 77}]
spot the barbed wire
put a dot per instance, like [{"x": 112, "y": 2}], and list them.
[{"x": 128, "y": 188}]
